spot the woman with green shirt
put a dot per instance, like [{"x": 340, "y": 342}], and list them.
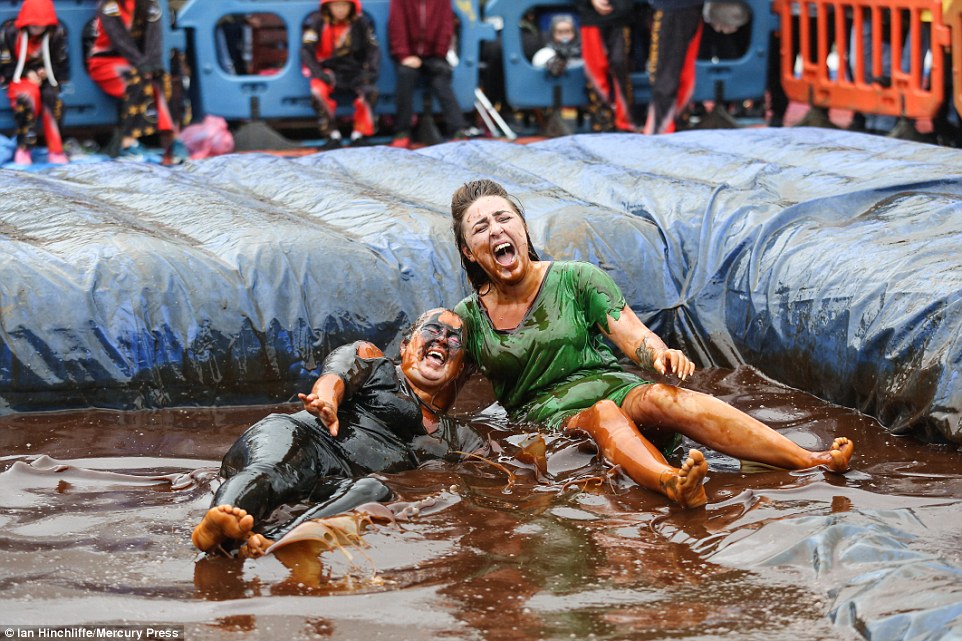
[{"x": 536, "y": 330}]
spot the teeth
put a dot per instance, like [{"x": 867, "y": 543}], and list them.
[
  {"x": 502, "y": 246},
  {"x": 435, "y": 352}
]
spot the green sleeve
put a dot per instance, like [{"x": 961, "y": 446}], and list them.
[
  {"x": 467, "y": 310},
  {"x": 598, "y": 294}
]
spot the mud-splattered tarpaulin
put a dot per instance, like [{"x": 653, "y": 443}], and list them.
[{"x": 828, "y": 260}]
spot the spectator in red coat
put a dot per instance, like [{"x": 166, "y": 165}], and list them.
[{"x": 420, "y": 33}]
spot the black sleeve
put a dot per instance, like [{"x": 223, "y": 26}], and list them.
[
  {"x": 153, "y": 40},
  {"x": 372, "y": 62},
  {"x": 8, "y": 60},
  {"x": 120, "y": 38},
  {"x": 310, "y": 34},
  {"x": 349, "y": 367},
  {"x": 59, "y": 59}
]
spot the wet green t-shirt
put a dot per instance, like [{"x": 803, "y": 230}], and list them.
[{"x": 556, "y": 362}]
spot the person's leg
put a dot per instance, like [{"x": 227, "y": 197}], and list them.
[
  {"x": 24, "y": 98},
  {"x": 686, "y": 79},
  {"x": 777, "y": 98},
  {"x": 716, "y": 424},
  {"x": 672, "y": 33},
  {"x": 333, "y": 496},
  {"x": 620, "y": 442},
  {"x": 407, "y": 79},
  {"x": 158, "y": 93},
  {"x": 617, "y": 44},
  {"x": 441, "y": 78},
  {"x": 275, "y": 461},
  {"x": 118, "y": 79},
  {"x": 597, "y": 87},
  {"x": 363, "y": 114},
  {"x": 324, "y": 105},
  {"x": 52, "y": 115}
]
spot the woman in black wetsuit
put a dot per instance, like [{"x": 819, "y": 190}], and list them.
[{"x": 364, "y": 414}]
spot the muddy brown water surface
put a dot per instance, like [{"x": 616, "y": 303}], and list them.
[{"x": 775, "y": 554}]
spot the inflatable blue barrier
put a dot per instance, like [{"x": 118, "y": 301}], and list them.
[
  {"x": 828, "y": 260},
  {"x": 85, "y": 104},
  {"x": 285, "y": 94}
]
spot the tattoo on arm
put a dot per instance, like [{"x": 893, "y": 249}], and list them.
[{"x": 645, "y": 356}]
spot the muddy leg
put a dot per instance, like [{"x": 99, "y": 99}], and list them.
[
  {"x": 716, "y": 424},
  {"x": 622, "y": 444}
]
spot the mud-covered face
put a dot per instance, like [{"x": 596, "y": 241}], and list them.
[
  {"x": 434, "y": 356},
  {"x": 496, "y": 238}
]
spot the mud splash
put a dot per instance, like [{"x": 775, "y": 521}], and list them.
[{"x": 96, "y": 510}]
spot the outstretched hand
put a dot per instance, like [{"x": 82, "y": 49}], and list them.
[
  {"x": 322, "y": 408},
  {"x": 673, "y": 361}
]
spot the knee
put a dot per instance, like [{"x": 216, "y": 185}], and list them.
[
  {"x": 407, "y": 74},
  {"x": 649, "y": 399},
  {"x": 606, "y": 410},
  {"x": 661, "y": 390}
]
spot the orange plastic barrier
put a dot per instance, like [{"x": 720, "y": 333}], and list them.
[{"x": 822, "y": 27}]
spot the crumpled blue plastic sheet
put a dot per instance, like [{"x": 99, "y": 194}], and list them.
[
  {"x": 828, "y": 260},
  {"x": 892, "y": 564}
]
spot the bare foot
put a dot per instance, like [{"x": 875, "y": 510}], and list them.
[
  {"x": 840, "y": 453},
  {"x": 256, "y": 546},
  {"x": 684, "y": 485},
  {"x": 220, "y": 524}
]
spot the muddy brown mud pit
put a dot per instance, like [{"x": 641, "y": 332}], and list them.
[{"x": 581, "y": 552}]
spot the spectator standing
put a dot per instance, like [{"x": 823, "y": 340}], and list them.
[
  {"x": 675, "y": 38},
  {"x": 420, "y": 33},
  {"x": 341, "y": 56},
  {"x": 126, "y": 61},
  {"x": 33, "y": 56},
  {"x": 605, "y": 45}
]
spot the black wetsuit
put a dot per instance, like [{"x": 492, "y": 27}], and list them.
[{"x": 292, "y": 458}]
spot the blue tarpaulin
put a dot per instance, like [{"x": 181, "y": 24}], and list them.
[{"x": 828, "y": 260}]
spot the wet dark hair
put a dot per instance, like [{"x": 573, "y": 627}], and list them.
[
  {"x": 422, "y": 319},
  {"x": 465, "y": 196}
]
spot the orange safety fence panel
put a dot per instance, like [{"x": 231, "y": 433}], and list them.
[{"x": 814, "y": 29}]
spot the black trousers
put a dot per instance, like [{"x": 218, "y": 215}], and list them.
[
  {"x": 439, "y": 75},
  {"x": 280, "y": 460}
]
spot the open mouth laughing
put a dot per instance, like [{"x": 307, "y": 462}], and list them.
[
  {"x": 504, "y": 253},
  {"x": 436, "y": 356}
]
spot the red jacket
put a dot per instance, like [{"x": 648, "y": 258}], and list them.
[
  {"x": 131, "y": 29},
  {"x": 422, "y": 28}
]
